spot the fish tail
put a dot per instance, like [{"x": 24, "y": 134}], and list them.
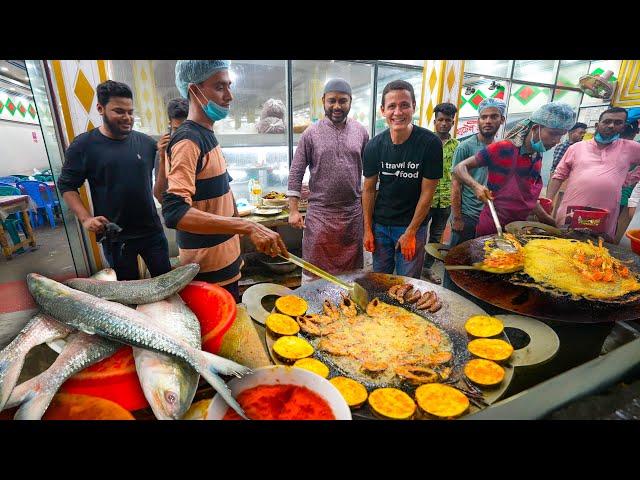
[
  {"x": 9, "y": 373},
  {"x": 34, "y": 405},
  {"x": 210, "y": 366},
  {"x": 19, "y": 393},
  {"x": 225, "y": 366},
  {"x": 211, "y": 376}
]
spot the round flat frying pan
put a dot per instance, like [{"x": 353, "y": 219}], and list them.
[
  {"x": 451, "y": 318},
  {"x": 498, "y": 291}
]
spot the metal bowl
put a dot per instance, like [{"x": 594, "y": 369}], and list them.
[{"x": 277, "y": 264}]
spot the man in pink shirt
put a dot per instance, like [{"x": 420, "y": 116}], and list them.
[{"x": 596, "y": 170}]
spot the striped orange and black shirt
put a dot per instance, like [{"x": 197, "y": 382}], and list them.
[{"x": 197, "y": 176}]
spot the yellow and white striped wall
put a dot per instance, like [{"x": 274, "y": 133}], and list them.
[
  {"x": 441, "y": 82},
  {"x": 627, "y": 93},
  {"x": 147, "y": 100},
  {"x": 76, "y": 82}
]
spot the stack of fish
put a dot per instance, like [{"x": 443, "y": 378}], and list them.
[{"x": 92, "y": 318}]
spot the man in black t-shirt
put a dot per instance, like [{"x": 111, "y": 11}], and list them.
[
  {"x": 407, "y": 160},
  {"x": 118, "y": 164}
]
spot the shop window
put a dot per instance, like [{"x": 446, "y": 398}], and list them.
[
  {"x": 539, "y": 71},
  {"x": 254, "y": 147},
  {"x": 309, "y": 78},
  {"x": 495, "y": 68},
  {"x": 570, "y": 72},
  {"x": 475, "y": 89},
  {"x": 389, "y": 74},
  {"x": 570, "y": 97},
  {"x": 524, "y": 100},
  {"x": 415, "y": 63}
]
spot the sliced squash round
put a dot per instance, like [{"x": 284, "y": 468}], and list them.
[
  {"x": 70, "y": 406},
  {"x": 289, "y": 349},
  {"x": 392, "y": 403},
  {"x": 278, "y": 325},
  {"x": 483, "y": 326},
  {"x": 441, "y": 401},
  {"x": 313, "y": 365},
  {"x": 292, "y": 305},
  {"x": 484, "y": 372},
  {"x": 353, "y": 392},
  {"x": 490, "y": 349}
]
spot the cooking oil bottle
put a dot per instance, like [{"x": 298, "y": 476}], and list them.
[{"x": 255, "y": 190}]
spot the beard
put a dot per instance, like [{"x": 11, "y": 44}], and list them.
[
  {"x": 490, "y": 133},
  {"x": 113, "y": 127},
  {"x": 329, "y": 113}
]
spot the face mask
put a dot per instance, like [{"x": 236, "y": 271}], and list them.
[
  {"x": 606, "y": 140},
  {"x": 538, "y": 146},
  {"x": 212, "y": 110}
]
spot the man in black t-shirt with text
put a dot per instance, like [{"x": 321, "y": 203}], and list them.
[
  {"x": 118, "y": 164},
  {"x": 407, "y": 160}
]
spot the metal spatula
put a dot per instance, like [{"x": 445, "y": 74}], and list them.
[
  {"x": 500, "y": 242},
  {"x": 357, "y": 293}
]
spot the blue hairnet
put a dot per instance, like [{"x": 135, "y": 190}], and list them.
[
  {"x": 196, "y": 71},
  {"x": 492, "y": 103},
  {"x": 554, "y": 115}
]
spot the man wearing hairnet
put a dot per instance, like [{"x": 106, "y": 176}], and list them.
[
  {"x": 465, "y": 206},
  {"x": 332, "y": 150},
  {"x": 514, "y": 182},
  {"x": 198, "y": 202}
]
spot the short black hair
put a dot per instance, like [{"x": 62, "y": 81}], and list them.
[
  {"x": 178, "y": 108},
  {"x": 106, "y": 90},
  {"x": 398, "y": 85},
  {"x": 630, "y": 130},
  {"x": 579, "y": 125},
  {"x": 614, "y": 110},
  {"x": 448, "y": 109}
]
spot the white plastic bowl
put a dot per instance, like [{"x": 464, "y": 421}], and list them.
[{"x": 278, "y": 374}]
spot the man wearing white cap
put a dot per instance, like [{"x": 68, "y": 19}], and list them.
[
  {"x": 198, "y": 202},
  {"x": 332, "y": 150},
  {"x": 514, "y": 182}
]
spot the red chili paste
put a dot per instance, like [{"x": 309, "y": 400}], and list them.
[{"x": 281, "y": 402}]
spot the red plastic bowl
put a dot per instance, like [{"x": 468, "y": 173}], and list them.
[
  {"x": 546, "y": 204},
  {"x": 215, "y": 309},
  {"x": 634, "y": 236},
  {"x": 113, "y": 378}
]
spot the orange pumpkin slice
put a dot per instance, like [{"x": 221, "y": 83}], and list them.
[
  {"x": 483, "y": 326},
  {"x": 278, "y": 325},
  {"x": 392, "y": 403},
  {"x": 441, "y": 401},
  {"x": 313, "y": 365},
  {"x": 289, "y": 349},
  {"x": 490, "y": 349},
  {"x": 353, "y": 392},
  {"x": 484, "y": 372},
  {"x": 292, "y": 305}
]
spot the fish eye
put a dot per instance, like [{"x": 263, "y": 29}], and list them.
[{"x": 171, "y": 397}]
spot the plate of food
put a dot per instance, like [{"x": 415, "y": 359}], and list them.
[
  {"x": 267, "y": 210},
  {"x": 274, "y": 199}
]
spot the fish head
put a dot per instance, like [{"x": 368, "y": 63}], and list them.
[
  {"x": 172, "y": 395},
  {"x": 40, "y": 284}
]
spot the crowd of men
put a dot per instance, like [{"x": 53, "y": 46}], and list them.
[{"x": 416, "y": 181}]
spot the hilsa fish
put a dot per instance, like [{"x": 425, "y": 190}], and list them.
[
  {"x": 40, "y": 329},
  {"x": 120, "y": 323},
  {"x": 169, "y": 383},
  {"x": 80, "y": 351},
  {"x": 138, "y": 292}
]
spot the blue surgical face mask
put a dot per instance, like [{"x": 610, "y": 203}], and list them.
[
  {"x": 212, "y": 110},
  {"x": 538, "y": 146},
  {"x": 606, "y": 140}
]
